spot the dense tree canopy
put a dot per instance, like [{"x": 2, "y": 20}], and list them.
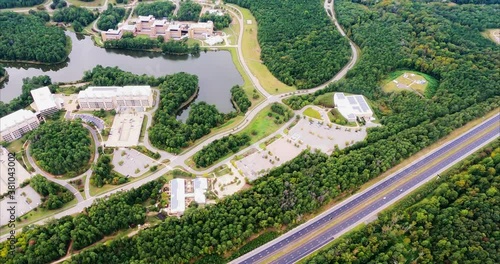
[
  {"x": 457, "y": 222},
  {"x": 240, "y": 98},
  {"x": 44, "y": 244},
  {"x": 57, "y": 4},
  {"x": 300, "y": 45},
  {"x": 61, "y": 147},
  {"x": 157, "y": 9},
  {"x": 74, "y": 14},
  {"x": 188, "y": 11},
  {"x": 113, "y": 76},
  {"x": 54, "y": 196},
  {"x": 19, "y": 3},
  {"x": 220, "y": 22},
  {"x": 220, "y": 148},
  {"x": 110, "y": 18},
  {"x": 3, "y": 71},
  {"x": 180, "y": 47},
  {"x": 27, "y": 38}
]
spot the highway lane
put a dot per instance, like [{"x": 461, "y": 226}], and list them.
[{"x": 371, "y": 198}]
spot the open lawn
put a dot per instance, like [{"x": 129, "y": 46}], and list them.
[
  {"x": 312, "y": 113},
  {"x": 232, "y": 31},
  {"x": 16, "y": 145},
  {"x": 251, "y": 53},
  {"x": 492, "y": 34},
  {"x": 261, "y": 126},
  {"x": 410, "y": 81},
  {"x": 336, "y": 117}
]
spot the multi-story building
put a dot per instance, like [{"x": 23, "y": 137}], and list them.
[
  {"x": 149, "y": 26},
  {"x": 113, "y": 97},
  {"x": 15, "y": 125},
  {"x": 45, "y": 102}
]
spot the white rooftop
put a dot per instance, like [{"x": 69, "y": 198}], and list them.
[
  {"x": 145, "y": 18},
  {"x": 200, "y": 187},
  {"x": 351, "y": 106},
  {"x": 44, "y": 99},
  {"x": 128, "y": 27},
  {"x": 208, "y": 24},
  {"x": 160, "y": 22},
  {"x": 17, "y": 117},
  {"x": 114, "y": 91},
  {"x": 177, "y": 196}
]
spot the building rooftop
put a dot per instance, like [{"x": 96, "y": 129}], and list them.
[
  {"x": 128, "y": 27},
  {"x": 200, "y": 187},
  {"x": 44, "y": 99},
  {"x": 351, "y": 106},
  {"x": 208, "y": 24},
  {"x": 114, "y": 91},
  {"x": 177, "y": 196},
  {"x": 17, "y": 117},
  {"x": 113, "y": 31},
  {"x": 145, "y": 18}
]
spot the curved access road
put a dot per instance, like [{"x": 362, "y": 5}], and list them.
[{"x": 322, "y": 229}]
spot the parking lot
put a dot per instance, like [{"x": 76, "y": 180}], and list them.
[
  {"x": 26, "y": 199},
  {"x": 303, "y": 135},
  {"x": 325, "y": 138},
  {"x": 126, "y": 130},
  {"x": 133, "y": 163},
  {"x": 99, "y": 123},
  {"x": 21, "y": 174}
]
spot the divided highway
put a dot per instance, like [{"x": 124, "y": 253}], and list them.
[{"x": 321, "y": 230}]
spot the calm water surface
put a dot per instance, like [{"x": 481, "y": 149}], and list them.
[{"x": 215, "y": 70}]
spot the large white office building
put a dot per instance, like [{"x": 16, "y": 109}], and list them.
[
  {"x": 15, "y": 125},
  {"x": 45, "y": 102},
  {"x": 352, "y": 106},
  {"x": 115, "y": 97}
]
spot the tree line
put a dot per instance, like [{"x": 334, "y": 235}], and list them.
[
  {"x": 61, "y": 147},
  {"x": 220, "y": 22},
  {"x": 49, "y": 242},
  {"x": 174, "y": 47},
  {"x": 54, "y": 196},
  {"x": 219, "y": 148},
  {"x": 157, "y": 9},
  {"x": 58, "y": 4},
  {"x": 240, "y": 99},
  {"x": 18, "y": 3},
  {"x": 110, "y": 18},
  {"x": 300, "y": 44},
  {"x": 27, "y": 38},
  {"x": 79, "y": 17},
  {"x": 188, "y": 11},
  {"x": 452, "y": 220}
]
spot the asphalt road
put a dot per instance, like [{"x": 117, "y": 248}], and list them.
[{"x": 370, "y": 201}]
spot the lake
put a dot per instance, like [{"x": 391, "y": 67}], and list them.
[{"x": 215, "y": 70}]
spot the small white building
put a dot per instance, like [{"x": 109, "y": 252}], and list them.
[
  {"x": 112, "y": 97},
  {"x": 352, "y": 106},
  {"x": 15, "y": 125},
  {"x": 45, "y": 102},
  {"x": 200, "y": 187},
  {"x": 177, "y": 196}
]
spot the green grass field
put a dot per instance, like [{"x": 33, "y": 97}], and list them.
[
  {"x": 251, "y": 53},
  {"x": 95, "y": 3},
  {"x": 312, "y": 113},
  {"x": 492, "y": 34},
  {"x": 261, "y": 126},
  {"x": 418, "y": 82},
  {"x": 233, "y": 31},
  {"x": 325, "y": 100}
]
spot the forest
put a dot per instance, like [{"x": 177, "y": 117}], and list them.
[
  {"x": 157, "y": 9},
  {"x": 220, "y": 22},
  {"x": 102, "y": 173},
  {"x": 114, "y": 76},
  {"x": 220, "y": 148},
  {"x": 240, "y": 99},
  {"x": 452, "y": 221},
  {"x": 47, "y": 243},
  {"x": 19, "y": 3},
  {"x": 180, "y": 47},
  {"x": 188, "y": 11},
  {"x": 300, "y": 44},
  {"x": 110, "y": 18},
  {"x": 79, "y": 17},
  {"x": 61, "y": 147},
  {"x": 27, "y": 38},
  {"x": 54, "y": 196}
]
